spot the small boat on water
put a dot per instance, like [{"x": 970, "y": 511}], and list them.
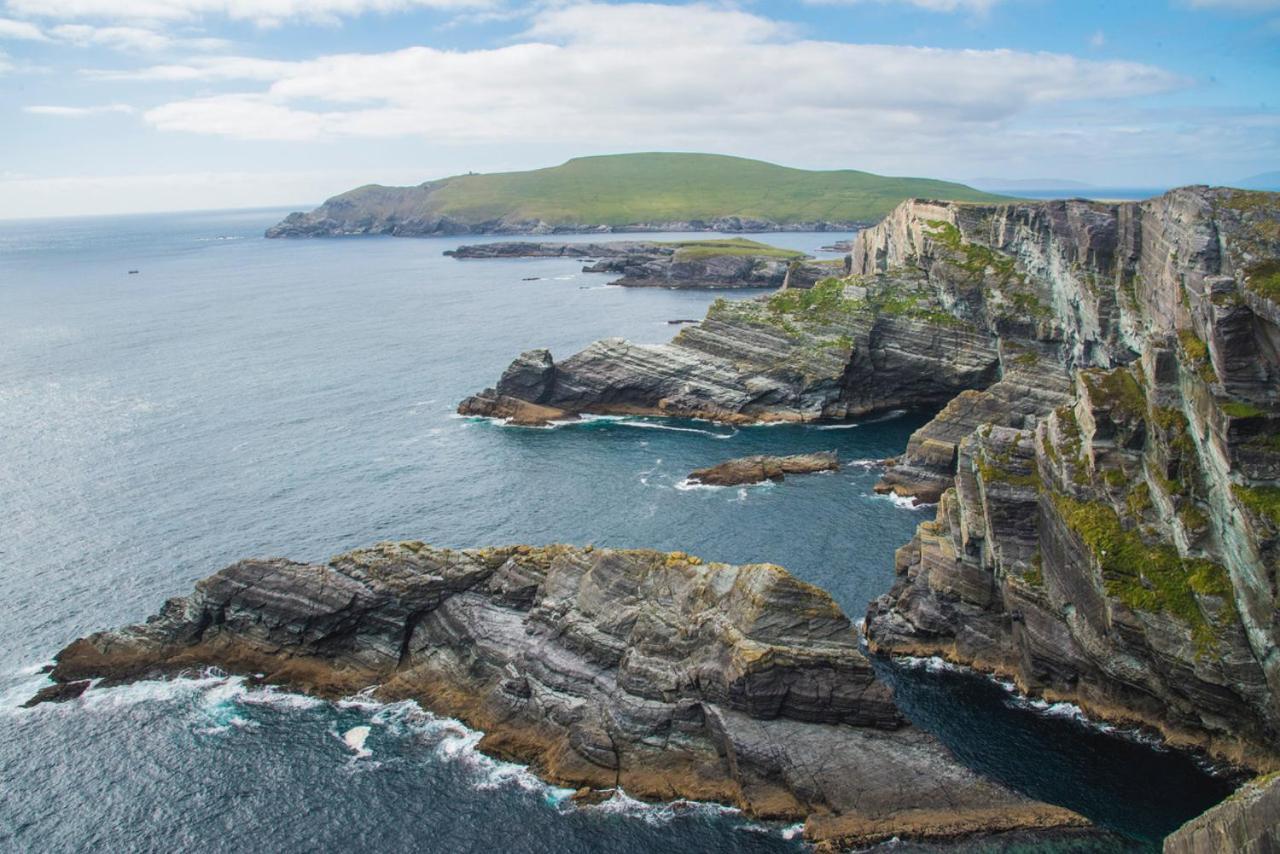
[{"x": 133, "y": 272}]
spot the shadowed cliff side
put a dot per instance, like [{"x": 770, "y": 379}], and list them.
[{"x": 651, "y": 671}]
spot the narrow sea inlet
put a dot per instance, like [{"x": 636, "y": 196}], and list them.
[{"x": 241, "y": 397}]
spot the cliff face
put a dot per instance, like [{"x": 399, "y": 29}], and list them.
[
  {"x": 1106, "y": 458},
  {"x": 1109, "y": 535},
  {"x": 655, "y": 672}
]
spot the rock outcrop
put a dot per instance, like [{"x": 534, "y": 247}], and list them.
[
  {"x": 677, "y": 264},
  {"x": 651, "y": 671},
  {"x": 1106, "y": 458},
  {"x": 759, "y": 468},
  {"x": 1248, "y": 822}
]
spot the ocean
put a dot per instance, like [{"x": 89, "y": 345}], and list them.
[{"x": 244, "y": 397}]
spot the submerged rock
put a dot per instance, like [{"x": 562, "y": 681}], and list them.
[
  {"x": 656, "y": 672},
  {"x": 761, "y": 468}
]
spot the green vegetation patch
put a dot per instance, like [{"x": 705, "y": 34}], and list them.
[
  {"x": 1116, "y": 390},
  {"x": 1264, "y": 280},
  {"x": 689, "y": 250},
  {"x": 1241, "y": 409},
  {"x": 1147, "y": 577},
  {"x": 1262, "y": 500},
  {"x": 627, "y": 189},
  {"x": 1196, "y": 354}
]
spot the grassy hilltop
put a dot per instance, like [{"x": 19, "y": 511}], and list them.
[{"x": 629, "y": 189}]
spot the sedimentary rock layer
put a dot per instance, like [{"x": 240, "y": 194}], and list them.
[
  {"x": 1106, "y": 459},
  {"x": 652, "y": 671},
  {"x": 760, "y": 468}
]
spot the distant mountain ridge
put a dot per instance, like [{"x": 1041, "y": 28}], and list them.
[{"x": 624, "y": 193}]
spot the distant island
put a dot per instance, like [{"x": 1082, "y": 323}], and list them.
[{"x": 624, "y": 193}]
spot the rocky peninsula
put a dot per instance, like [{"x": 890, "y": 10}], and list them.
[
  {"x": 1105, "y": 457},
  {"x": 618, "y": 193},
  {"x": 759, "y": 468},
  {"x": 650, "y": 671},
  {"x": 732, "y": 263}
]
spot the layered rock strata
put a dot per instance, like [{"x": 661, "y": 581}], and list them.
[
  {"x": 651, "y": 671},
  {"x": 1106, "y": 459},
  {"x": 759, "y": 468}
]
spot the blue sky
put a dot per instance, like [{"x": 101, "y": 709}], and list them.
[{"x": 131, "y": 105}]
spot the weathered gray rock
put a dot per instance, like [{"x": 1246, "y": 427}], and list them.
[
  {"x": 1246, "y": 823},
  {"x": 759, "y": 468},
  {"x": 651, "y": 671},
  {"x": 1109, "y": 383}
]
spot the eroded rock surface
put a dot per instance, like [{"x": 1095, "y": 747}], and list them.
[
  {"x": 759, "y": 468},
  {"x": 1106, "y": 455},
  {"x": 651, "y": 671}
]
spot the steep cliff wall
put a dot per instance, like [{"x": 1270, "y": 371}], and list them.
[
  {"x": 1106, "y": 460},
  {"x": 1111, "y": 540}
]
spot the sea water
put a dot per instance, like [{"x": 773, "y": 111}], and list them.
[{"x": 247, "y": 397}]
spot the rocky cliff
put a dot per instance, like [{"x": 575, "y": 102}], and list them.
[
  {"x": 651, "y": 671},
  {"x": 1106, "y": 460}
]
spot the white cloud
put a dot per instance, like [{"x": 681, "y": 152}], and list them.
[
  {"x": 11, "y": 29},
  {"x": 75, "y": 112},
  {"x": 262, "y": 12},
  {"x": 1098, "y": 39},
  {"x": 128, "y": 39},
  {"x": 642, "y": 74}
]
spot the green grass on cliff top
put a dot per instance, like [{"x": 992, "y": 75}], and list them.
[
  {"x": 694, "y": 249},
  {"x": 623, "y": 189}
]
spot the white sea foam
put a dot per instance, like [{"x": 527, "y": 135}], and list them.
[
  {"x": 905, "y": 502},
  {"x": 652, "y": 425},
  {"x": 355, "y": 739},
  {"x": 686, "y": 485},
  {"x": 622, "y": 804}
]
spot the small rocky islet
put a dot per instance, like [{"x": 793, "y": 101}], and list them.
[
  {"x": 1106, "y": 470},
  {"x": 686, "y": 264},
  {"x": 761, "y": 467}
]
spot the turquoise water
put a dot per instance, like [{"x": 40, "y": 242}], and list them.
[{"x": 241, "y": 397}]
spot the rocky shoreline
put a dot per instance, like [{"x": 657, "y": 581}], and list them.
[
  {"x": 329, "y": 221},
  {"x": 673, "y": 264},
  {"x": 654, "y": 672},
  {"x": 1104, "y": 457}
]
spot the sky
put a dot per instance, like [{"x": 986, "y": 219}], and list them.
[{"x": 117, "y": 106}]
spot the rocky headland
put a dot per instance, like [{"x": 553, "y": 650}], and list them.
[
  {"x": 656, "y": 672},
  {"x": 759, "y": 468},
  {"x": 1105, "y": 457},
  {"x": 640, "y": 192},
  {"x": 676, "y": 264}
]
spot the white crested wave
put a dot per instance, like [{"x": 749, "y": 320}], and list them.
[
  {"x": 903, "y": 501},
  {"x": 653, "y": 425}
]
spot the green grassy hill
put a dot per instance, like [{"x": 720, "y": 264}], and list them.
[{"x": 627, "y": 189}]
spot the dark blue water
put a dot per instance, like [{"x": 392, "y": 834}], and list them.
[{"x": 241, "y": 397}]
